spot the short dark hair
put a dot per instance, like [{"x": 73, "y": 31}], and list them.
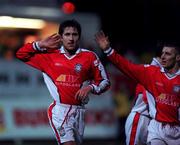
[
  {"x": 176, "y": 45},
  {"x": 70, "y": 23}
]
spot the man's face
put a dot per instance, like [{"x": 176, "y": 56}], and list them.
[
  {"x": 168, "y": 57},
  {"x": 70, "y": 38}
]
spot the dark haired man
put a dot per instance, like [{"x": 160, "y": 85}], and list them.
[{"x": 65, "y": 67}]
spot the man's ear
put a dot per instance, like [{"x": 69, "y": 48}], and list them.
[{"x": 178, "y": 58}]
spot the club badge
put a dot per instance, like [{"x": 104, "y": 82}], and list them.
[
  {"x": 78, "y": 67},
  {"x": 176, "y": 89}
]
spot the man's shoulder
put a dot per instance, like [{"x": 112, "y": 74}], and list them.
[
  {"x": 88, "y": 52},
  {"x": 152, "y": 69}
]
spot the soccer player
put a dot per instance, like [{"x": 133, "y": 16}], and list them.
[
  {"x": 136, "y": 127},
  {"x": 163, "y": 85},
  {"x": 65, "y": 67}
]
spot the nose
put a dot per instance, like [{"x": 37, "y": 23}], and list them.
[
  {"x": 71, "y": 37},
  {"x": 162, "y": 56}
]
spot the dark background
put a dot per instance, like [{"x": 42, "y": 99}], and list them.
[{"x": 136, "y": 24}]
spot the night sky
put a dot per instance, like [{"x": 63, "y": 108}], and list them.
[{"x": 137, "y": 24}]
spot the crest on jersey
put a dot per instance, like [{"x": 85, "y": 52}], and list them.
[
  {"x": 78, "y": 67},
  {"x": 176, "y": 89}
]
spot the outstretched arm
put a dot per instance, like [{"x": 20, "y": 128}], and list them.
[{"x": 136, "y": 72}]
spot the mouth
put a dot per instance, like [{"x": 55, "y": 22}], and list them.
[
  {"x": 163, "y": 62},
  {"x": 71, "y": 44}
]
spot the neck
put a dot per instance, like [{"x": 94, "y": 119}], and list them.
[
  {"x": 173, "y": 70},
  {"x": 71, "y": 52}
]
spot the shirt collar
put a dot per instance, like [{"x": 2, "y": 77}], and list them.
[
  {"x": 156, "y": 62},
  {"x": 62, "y": 50},
  {"x": 165, "y": 71}
]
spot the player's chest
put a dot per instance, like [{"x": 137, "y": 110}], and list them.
[
  {"x": 74, "y": 65},
  {"x": 168, "y": 92},
  {"x": 168, "y": 85}
]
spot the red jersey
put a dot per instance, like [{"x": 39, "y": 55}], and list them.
[
  {"x": 164, "y": 91},
  {"x": 64, "y": 75}
]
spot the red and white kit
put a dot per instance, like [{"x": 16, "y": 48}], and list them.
[
  {"x": 163, "y": 97},
  {"x": 64, "y": 76}
]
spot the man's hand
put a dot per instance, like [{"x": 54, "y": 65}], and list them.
[
  {"x": 102, "y": 40},
  {"x": 51, "y": 42},
  {"x": 83, "y": 93}
]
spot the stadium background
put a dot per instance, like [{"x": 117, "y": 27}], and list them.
[{"x": 135, "y": 27}]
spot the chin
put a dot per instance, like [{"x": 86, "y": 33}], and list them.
[
  {"x": 164, "y": 66},
  {"x": 71, "y": 48}
]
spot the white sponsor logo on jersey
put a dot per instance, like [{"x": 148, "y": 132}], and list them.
[
  {"x": 159, "y": 84},
  {"x": 58, "y": 64}
]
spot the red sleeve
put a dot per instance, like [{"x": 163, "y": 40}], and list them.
[
  {"x": 100, "y": 78},
  {"x": 30, "y": 56},
  {"x": 140, "y": 73}
]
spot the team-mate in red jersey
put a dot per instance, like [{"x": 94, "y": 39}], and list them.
[
  {"x": 163, "y": 85},
  {"x": 65, "y": 67},
  {"x": 136, "y": 127}
]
